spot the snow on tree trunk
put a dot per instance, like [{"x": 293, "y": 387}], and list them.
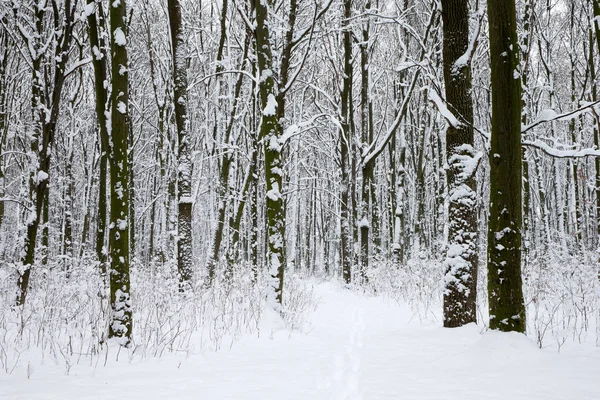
[
  {"x": 99, "y": 65},
  {"x": 120, "y": 327},
  {"x": 505, "y": 291},
  {"x": 184, "y": 171},
  {"x": 460, "y": 281},
  {"x": 270, "y": 133},
  {"x": 46, "y": 95}
]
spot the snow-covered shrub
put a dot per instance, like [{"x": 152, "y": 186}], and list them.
[
  {"x": 562, "y": 296},
  {"x": 417, "y": 282},
  {"x": 65, "y": 318},
  {"x": 299, "y": 301}
]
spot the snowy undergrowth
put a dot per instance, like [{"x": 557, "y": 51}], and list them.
[
  {"x": 299, "y": 302},
  {"x": 416, "y": 283},
  {"x": 64, "y": 321},
  {"x": 562, "y": 294}
]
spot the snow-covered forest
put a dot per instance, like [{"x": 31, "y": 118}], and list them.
[{"x": 297, "y": 198}]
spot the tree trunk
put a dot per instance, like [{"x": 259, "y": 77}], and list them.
[
  {"x": 270, "y": 133},
  {"x": 184, "y": 171},
  {"x": 121, "y": 326},
  {"x": 461, "y": 263},
  {"x": 226, "y": 162},
  {"x": 44, "y": 121},
  {"x": 596, "y": 7},
  {"x": 505, "y": 291},
  {"x": 367, "y": 167},
  {"x": 99, "y": 65}
]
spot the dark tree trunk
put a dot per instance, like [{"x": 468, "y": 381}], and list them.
[
  {"x": 99, "y": 65},
  {"x": 270, "y": 133},
  {"x": 44, "y": 129},
  {"x": 184, "y": 172},
  {"x": 345, "y": 140},
  {"x": 460, "y": 281},
  {"x": 505, "y": 291},
  {"x": 120, "y": 327}
]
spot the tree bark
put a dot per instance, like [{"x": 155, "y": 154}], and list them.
[
  {"x": 345, "y": 140},
  {"x": 505, "y": 291},
  {"x": 99, "y": 65},
  {"x": 184, "y": 172},
  {"x": 270, "y": 133},
  {"x": 45, "y": 112},
  {"x": 121, "y": 326},
  {"x": 461, "y": 262}
]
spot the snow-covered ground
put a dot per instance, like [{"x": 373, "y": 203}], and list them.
[{"x": 357, "y": 347}]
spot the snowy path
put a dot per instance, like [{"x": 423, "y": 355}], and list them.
[{"x": 358, "y": 348}]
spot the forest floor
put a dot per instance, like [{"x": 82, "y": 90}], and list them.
[{"x": 355, "y": 347}]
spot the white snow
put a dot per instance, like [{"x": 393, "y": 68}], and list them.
[
  {"x": 274, "y": 193},
  {"x": 443, "y": 109},
  {"x": 119, "y": 37},
  {"x": 271, "y": 106},
  {"x": 121, "y": 224},
  {"x": 186, "y": 200},
  {"x": 291, "y": 131},
  {"x": 89, "y": 9},
  {"x": 363, "y": 223},
  {"x": 42, "y": 176},
  {"x": 359, "y": 348}
]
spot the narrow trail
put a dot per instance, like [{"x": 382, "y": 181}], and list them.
[{"x": 358, "y": 348}]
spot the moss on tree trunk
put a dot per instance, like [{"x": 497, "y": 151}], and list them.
[{"x": 505, "y": 291}]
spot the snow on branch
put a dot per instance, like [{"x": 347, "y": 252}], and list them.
[
  {"x": 6, "y": 199},
  {"x": 376, "y": 147},
  {"x": 251, "y": 26},
  {"x": 466, "y": 58},
  {"x": 77, "y": 65},
  {"x": 443, "y": 109},
  {"x": 296, "y": 129},
  {"x": 551, "y": 115},
  {"x": 561, "y": 153}
]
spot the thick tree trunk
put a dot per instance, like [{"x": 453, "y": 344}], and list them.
[
  {"x": 121, "y": 326},
  {"x": 365, "y": 222},
  {"x": 505, "y": 291},
  {"x": 270, "y": 133},
  {"x": 37, "y": 186},
  {"x": 460, "y": 281}
]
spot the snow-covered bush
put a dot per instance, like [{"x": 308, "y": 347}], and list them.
[
  {"x": 418, "y": 283},
  {"x": 562, "y": 292},
  {"x": 64, "y": 320}
]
